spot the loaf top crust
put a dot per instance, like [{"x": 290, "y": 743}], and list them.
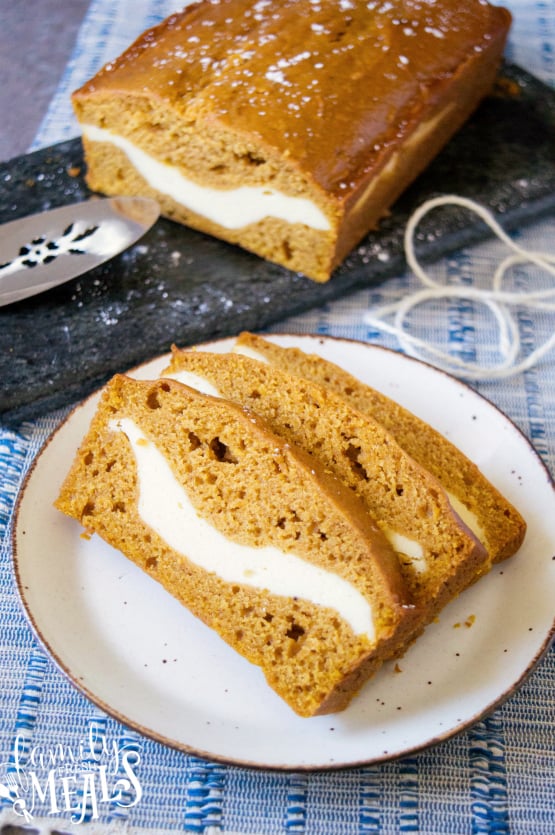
[{"x": 329, "y": 84}]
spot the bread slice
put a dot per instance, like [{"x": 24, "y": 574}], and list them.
[
  {"x": 439, "y": 556},
  {"x": 496, "y": 522},
  {"x": 247, "y": 531}
]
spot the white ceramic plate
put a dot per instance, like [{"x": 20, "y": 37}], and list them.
[{"x": 135, "y": 652}]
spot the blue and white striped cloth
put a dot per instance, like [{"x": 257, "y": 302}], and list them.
[{"x": 498, "y": 777}]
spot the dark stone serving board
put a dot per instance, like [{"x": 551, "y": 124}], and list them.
[{"x": 181, "y": 286}]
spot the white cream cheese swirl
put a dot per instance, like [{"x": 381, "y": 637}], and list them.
[
  {"x": 231, "y": 208},
  {"x": 166, "y": 508}
]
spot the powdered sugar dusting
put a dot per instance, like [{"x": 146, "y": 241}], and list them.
[{"x": 286, "y": 68}]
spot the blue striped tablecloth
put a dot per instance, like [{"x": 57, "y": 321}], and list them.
[{"x": 498, "y": 777}]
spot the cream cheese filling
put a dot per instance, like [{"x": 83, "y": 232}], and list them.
[
  {"x": 194, "y": 381},
  {"x": 230, "y": 208},
  {"x": 165, "y": 507},
  {"x": 408, "y": 548},
  {"x": 247, "y": 351},
  {"x": 469, "y": 518}
]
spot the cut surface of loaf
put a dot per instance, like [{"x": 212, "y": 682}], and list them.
[
  {"x": 438, "y": 555},
  {"x": 247, "y": 532},
  {"x": 494, "y": 519},
  {"x": 288, "y": 128}
]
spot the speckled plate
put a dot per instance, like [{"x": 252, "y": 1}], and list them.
[{"x": 135, "y": 652}]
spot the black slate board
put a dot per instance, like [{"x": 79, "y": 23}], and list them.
[{"x": 177, "y": 285}]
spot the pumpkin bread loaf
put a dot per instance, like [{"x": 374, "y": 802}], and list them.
[{"x": 288, "y": 128}]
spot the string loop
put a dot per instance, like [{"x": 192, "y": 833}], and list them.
[{"x": 498, "y": 301}]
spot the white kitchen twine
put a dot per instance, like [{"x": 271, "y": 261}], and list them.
[{"x": 499, "y": 302}]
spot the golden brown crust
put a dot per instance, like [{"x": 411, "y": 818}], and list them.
[
  {"x": 503, "y": 525},
  {"x": 256, "y": 489},
  {"x": 341, "y": 103},
  {"x": 276, "y": 76}
]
